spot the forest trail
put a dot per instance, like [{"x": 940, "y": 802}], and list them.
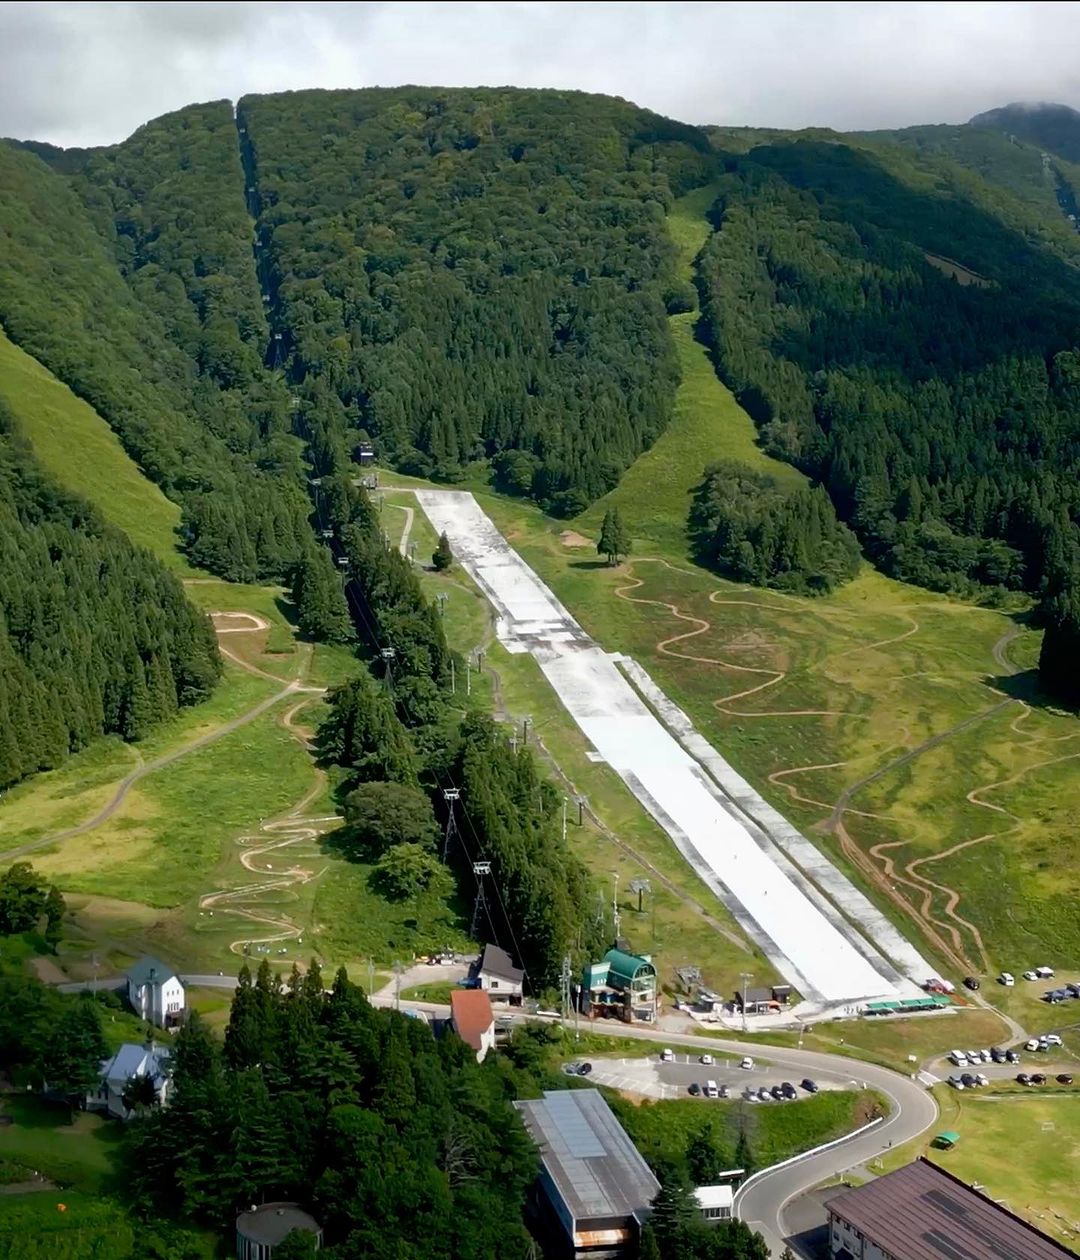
[{"x": 410, "y": 516}]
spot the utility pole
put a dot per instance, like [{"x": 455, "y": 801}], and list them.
[
  {"x": 564, "y": 817},
  {"x": 581, "y": 811},
  {"x": 453, "y": 678},
  {"x": 468, "y": 675},
  {"x": 525, "y": 731},
  {"x": 615, "y": 916},
  {"x": 441, "y": 599},
  {"x": 564, "y": 985},
  {"x": 745, "y": 977},
  {"x": 479, "y": 660},
  {"x": 450, "y": 796}
]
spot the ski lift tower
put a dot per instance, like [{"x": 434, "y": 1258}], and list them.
[{"x": 481, "y": 870}]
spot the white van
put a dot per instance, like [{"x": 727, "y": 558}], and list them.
[
  {"x": 711, "y": 1090},
  {"x": 1006, "y": 979},
  {"x": 1044, "y": 973},
  {"x": 959, "y": 1058}
]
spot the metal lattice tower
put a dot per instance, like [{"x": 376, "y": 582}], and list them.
[
  {"x": 480, "y": 870},
  {"x": 450, "y": 796},
  {"x": 564, "y": 986}
]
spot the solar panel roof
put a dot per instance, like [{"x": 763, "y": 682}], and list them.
[{"x": 595, "y": 1168}]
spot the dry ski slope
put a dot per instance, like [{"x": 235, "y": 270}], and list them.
[{"x": 747, "y": 853}]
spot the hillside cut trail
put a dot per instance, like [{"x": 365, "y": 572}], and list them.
[
  {"x": 167, "y": 759},
  {"x": 945, "y": 927},
  {"x": 294, "y": 836}
]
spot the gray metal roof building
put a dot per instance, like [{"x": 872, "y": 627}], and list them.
[
  {"x": 922, "y": 1212},
  {"x": 595, "y": 1180}
]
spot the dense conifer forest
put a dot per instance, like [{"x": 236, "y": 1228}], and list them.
[
  {"x": 941, "y": 413},
  {"x": 474, "y": 273},
  {"x": 95, "y": 636}
]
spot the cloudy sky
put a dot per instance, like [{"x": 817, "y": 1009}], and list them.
[{"x": 86, "y": 73}]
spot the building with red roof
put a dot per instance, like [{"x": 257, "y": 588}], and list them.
[{"x": 471, "y": 1017}]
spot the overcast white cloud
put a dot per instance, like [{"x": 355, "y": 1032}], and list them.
[{"x": 91, "y": 73}]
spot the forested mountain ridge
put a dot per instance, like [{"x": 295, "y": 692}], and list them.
[
  {"x": 475, "y": 274},
  {"x": 64, "y": 300},
  {"x": 1050, "y": 126},
  {"x": 909, "y": 348}
]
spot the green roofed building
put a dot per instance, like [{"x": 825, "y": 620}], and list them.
[{"x": 622, "y": 985}]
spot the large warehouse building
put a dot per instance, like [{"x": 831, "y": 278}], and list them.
[
  {"x": 921, "y": 1212},
  {"x": 594, "y": 1188}
]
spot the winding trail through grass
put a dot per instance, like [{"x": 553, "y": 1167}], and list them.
[
  {"x": 294, "y": 835},
  {"x": 946, "y": 928},
  {"x": 167, "y": 759}
]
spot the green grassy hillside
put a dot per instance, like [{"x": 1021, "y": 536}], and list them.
[
  {"x": 80, "y": 450},
  {"x": 707, "y": 424}
]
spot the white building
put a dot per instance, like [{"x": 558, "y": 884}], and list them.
[
  {"x": 156, "y": 992},
  {"x": 714, "y": 1202},
  {"x": 131, "y": 1062},
  {"x": 495, "y": 973}
]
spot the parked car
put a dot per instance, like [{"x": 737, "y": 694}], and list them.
[
  {"x": 958, "y": 1057},
  {"x": 725, "y": 1092},
  {"x": 1011, "y": 1056},
  {"x": 997, "y": 1054},
  {"x": 956, "y": 1082},
  {"x": 1074, "y": 989},
  {"x": 763, "y": 1094},
  {"x": 1044, "y": 973},
  {"x": 585, "y": 1069},
  {"x": 974, "y": 1056},
  {"x": 1037, "y": 1078},
  {"x": 971, "y": 982},
  {"x": 1064, "y": 1078},
  {"x": 706, "y": 1059},
  {"x": 694, "y": 1089},
  {"x": 747, "y": 1063},
  {"x": 777, "y": 1092},
  {"x": 1033, "y": 1044},
  {"x": 667, "y": 1056},
  {"x": 1022, "y": 1078},
  {"x": 1006, "y": 979},
  {"x": 982, "y": 1080},
  {"x": 789, "y": 1090},
  {"x": 810, "y": 1086},
  {"x": 1054, "y": 996},
  {"x": 1030, "y": 975},
  {"x": 969, "y": 1080},
  {"x": 1051, "y": 1039}
]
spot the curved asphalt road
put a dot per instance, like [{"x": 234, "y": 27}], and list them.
[{"x": 913, "y": 1109}]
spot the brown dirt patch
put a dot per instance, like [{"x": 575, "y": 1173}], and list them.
[
  {"x": 570, "y": 538},
  {"x": 47, "y": 971}
]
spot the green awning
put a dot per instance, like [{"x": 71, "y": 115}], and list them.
[{"x": 946, "y": 1139}]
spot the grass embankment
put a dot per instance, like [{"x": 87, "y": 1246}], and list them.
[
  {"x": 1018, "y": 1147},
  {"x": 80, "y": 450},
  {"x": 662, "y": 1130}
]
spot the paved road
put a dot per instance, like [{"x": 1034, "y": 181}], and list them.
[
  {"x": 125, "y": 785},
  {"x": 762, "y": 1206}
]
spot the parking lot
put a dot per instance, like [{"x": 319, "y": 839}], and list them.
[{"x": 652, "y": 1078}]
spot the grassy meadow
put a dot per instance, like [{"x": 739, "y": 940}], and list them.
[{"x": 80, "y": 450}]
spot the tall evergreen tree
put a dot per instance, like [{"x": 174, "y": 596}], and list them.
[{"x": 1059, "y": 657}]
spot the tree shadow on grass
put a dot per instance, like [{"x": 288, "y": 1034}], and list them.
[
  {"x": 1026, "y": 687},
  {"x": 590, "y": 564}
]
